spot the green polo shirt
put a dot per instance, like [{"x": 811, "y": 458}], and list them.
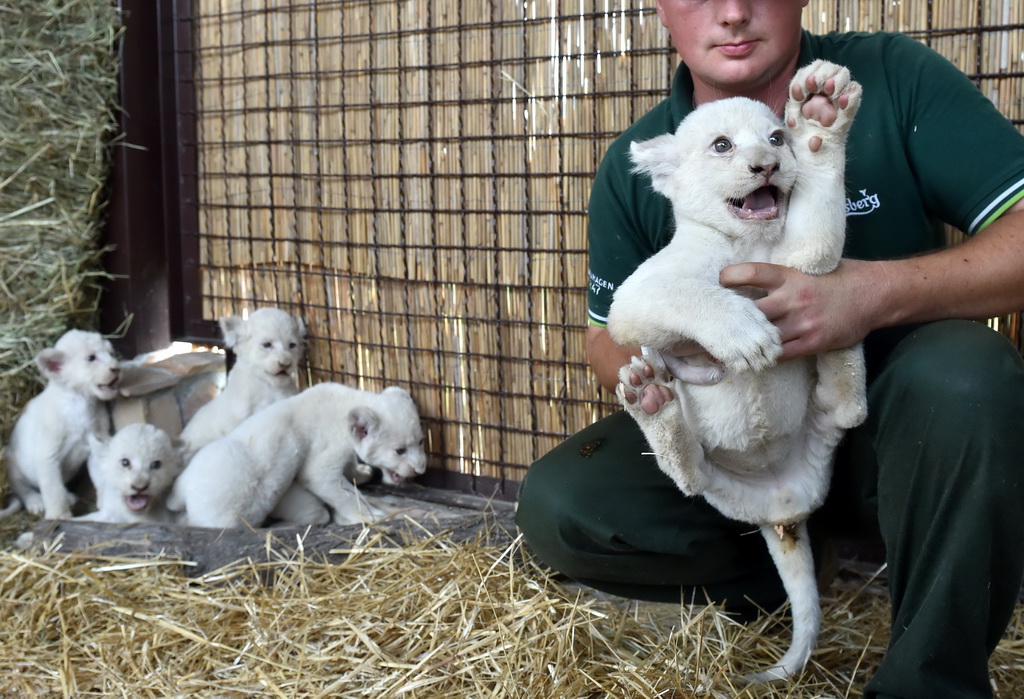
[{"x": 926, "y": 147}]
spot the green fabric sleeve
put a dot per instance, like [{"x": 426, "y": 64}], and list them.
[
  {"x": 627, "y": 220},
  {"x": 967, "y": 157}
]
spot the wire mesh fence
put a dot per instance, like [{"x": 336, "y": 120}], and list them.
[{"x": 412, "y": 178}]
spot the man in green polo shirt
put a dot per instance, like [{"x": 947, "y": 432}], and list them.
[{"x": 935, "y": 470}]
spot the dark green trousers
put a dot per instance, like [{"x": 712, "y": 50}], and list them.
[{"x": 936, "y": 471}]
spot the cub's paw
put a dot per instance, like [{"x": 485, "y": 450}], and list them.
[
  {"x": 823, "y": 99},
  {"x": 644, "y": 387},
  {"x": 33, "y": 503},
  {"x": 752, "y": 343}
]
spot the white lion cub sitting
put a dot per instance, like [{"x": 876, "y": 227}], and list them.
[
  {"x": 311, "y": 440},
  {"x": 49, "y": 444},
  {"x": 753, "y": 437},
  {"x": 133, "y": 473},
  {"x": 268, "y": 347}
]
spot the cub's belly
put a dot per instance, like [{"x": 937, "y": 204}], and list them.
[{"x": 747, "y": 422}]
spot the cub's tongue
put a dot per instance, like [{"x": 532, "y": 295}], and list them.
[
  {"x": 759, "y": 205},
  {"x": 137, "y": 502},
  {"x": 760, "y": 199}
]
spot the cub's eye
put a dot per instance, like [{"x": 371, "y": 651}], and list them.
[
  {"x": 777, "y": 139},
  {"x": 155, "y": 466},
  {"x": 91, "y": 358},
  {"x": 292, "y": 345},
  {"x": 722, "y": 145},
  {"x": 267, "y": 345},
  {"x": 126, "y": 463},
  {"x": 401, "y": 451}
]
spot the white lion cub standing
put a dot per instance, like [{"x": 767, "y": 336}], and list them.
[
  {"x": 756, "y": 439},
  {"x": 49, "y": 442},
  {"x": 133, "y": 473},
  {"x": 268, "y": 347},
  {"x": 309, "y": 440}
]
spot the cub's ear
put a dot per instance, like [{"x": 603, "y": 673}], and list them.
[
  {"x": 658, "y": 157},
  {"x": 232, "y": 328},
  {"x": 397, "y": 392},
  {"x": 97, "y": 446},
  {"x": 300, "y": 326},
  {"x": 180, "y": 448},
  {"x": 50, "y": 362},
  {"x": 362, "y": 421}
]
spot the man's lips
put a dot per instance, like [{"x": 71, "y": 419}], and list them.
[{"x": 737, "y": 50}]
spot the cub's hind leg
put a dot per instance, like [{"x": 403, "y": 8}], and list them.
[
  {"x": 841, "y": 391},
  {"x": 675, "y": 447}
]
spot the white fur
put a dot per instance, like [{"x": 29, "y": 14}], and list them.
[
  {"x": 268, "y": 347},
  {"x": 49, "y": 442},
  {"x": 756, "y": 439},
  {"x": 133, "y": 473},
  {"x": 310, "y": 439}
]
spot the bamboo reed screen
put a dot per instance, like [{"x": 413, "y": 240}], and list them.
[{"x": 411, "y": 178}]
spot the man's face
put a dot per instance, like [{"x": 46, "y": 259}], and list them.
[{"x": 735, "y": 47}]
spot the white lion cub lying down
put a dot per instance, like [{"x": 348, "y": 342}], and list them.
[
  {"x": 49, "y": 442},
  {"x": 757, "y": 443},
  {"x": 310, "y": 439},
  {"x": 133, "y": 473},
  {"x": 268, "y": 347}
]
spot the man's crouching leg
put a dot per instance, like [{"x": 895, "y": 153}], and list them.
[{"x": 598, "y": 509}]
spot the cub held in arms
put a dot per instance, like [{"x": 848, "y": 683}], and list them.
[
  {"x": 49, "y": 444},
  {"x": 310, "y": 439},
  {"x": 133, "y": 473},
  {"x": 268, "y": 347},
  {"x": 753, "y": 437}
]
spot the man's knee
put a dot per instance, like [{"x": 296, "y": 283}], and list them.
[
  {"x": 947, "y": 399},
  {"x": 965, "y": 368},
  {"x": 542, "y": 499}
]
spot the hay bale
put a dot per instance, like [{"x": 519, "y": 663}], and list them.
[{"x": 58, "y": 82}]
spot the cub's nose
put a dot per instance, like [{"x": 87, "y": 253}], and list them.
[{"x": 766, "y": 169}]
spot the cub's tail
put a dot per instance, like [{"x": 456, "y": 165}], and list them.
[
  {"x": 13, "y": 507},
  {"x": 790, "y": 548}
]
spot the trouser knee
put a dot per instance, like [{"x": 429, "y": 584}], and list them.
[{"x": 951, "y": 384}]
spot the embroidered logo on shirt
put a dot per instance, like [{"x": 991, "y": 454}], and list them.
[{"x": 865, "y": 205}]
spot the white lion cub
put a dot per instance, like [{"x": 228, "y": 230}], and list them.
[
  {"x": 756, "y": 439},
  {"x": 49, "y": 442},
  {"x": 133, "y": 473},
  {"x": 310, "y": 439},
  {"x": 268, "y": 347}
]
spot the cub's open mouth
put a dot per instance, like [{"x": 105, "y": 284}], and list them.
[
  {"x": 760, "y": 205},
  {"x": 136, "y": 503}
]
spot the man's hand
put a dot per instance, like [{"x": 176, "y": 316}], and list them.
[{"x": 814, "y": 313}]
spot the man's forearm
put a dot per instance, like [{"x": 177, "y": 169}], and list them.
[
  {"x": 980, "y": 278},
  {"x": 606, "y": 356}
]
